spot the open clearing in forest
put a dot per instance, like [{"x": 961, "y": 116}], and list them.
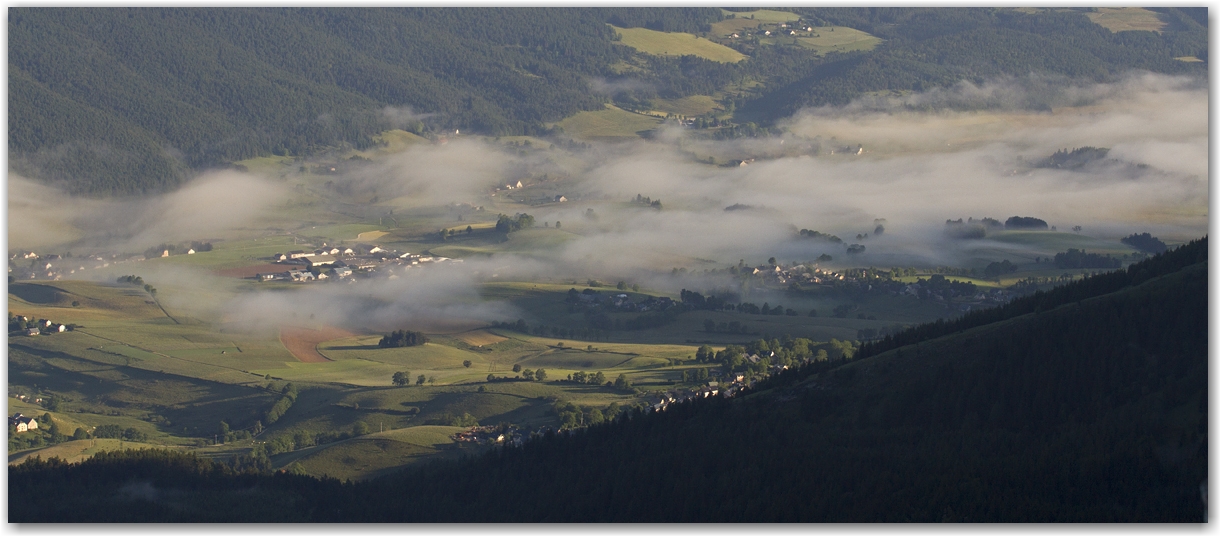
[
  {"x": 1126, "y": 19},
  {"x": 609, "y": 124},
  {"x": 836, "y": 39},
  {"x": 677, "y": 44}
]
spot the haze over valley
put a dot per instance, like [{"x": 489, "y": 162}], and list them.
[{"x": 407, "y": 266}]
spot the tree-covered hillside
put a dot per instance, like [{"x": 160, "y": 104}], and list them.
[
  {"x": 1088, "y": 404},
  {"x": 115, "y": 100},
  {"x": 927, "y": 47},
  {"x": 131, "y": 100}
]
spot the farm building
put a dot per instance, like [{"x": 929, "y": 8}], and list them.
[
  {"x": 320, "y": 260},
  {"x": 23, "y": 423},
  {"x": 300, "y": 275}
]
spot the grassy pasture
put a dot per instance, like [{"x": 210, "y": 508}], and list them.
[
  {"x": 570, "y": 358},
  {"x": 689, "y": 106},
  {"x": 186, "y": 403},
  {"x": 394, "y": 141},
  {"x": 230, "y": 254},
  {"x": 429, "y": 357},
  {"x": 377, "y": 453},
  {"x": 525, "y": 242},
  {"x": 267, "y": 165},
  {"x": 761, "y": 15},
  {"x": 835, "y": 39},
  {"x": 1126, "y": 19},
  {"x": 75, "y": 451},
  {"x": 676, "y": 44},
  {"x": 339, "y": 232},
  {"x": 609, "y": 124},
  {"x": 1044, "y": 243}
]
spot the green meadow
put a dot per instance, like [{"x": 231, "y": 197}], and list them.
[
  {"x": 676, "y": 44},
  {"x": 609, "y": 124}
]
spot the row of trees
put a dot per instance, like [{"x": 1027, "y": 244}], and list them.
[{"x": 403, "y": 379}]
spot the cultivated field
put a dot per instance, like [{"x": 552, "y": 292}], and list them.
[
  {"x": 303, "y": 342},
  {"x": 676, "y": 44}
]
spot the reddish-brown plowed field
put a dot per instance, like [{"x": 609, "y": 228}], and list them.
[
  {"x": 303, "y": 342},
  {"x": 251, "y": 271}
]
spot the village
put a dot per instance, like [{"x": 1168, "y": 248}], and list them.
[
  {"x": 28, "y": 265},
  {"x": 347, "y": 263}
]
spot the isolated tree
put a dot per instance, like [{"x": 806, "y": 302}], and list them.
[
  {"x": 469, "y": 229},
  {"x": 491, "y": 377},
  {"x": 80, "y": 433},
  {"x": 557, "y": 225},
  {"x": 421, "y": 379},
  {"x": 402, "y": 378},
  {"x": 771, "y": 261},
  {"x": 528, "y": 375},
  {"x": 622, "y": 285},
  {"x": 431, "y": 380},
  {"x": 360, "y": 428},
  {"x": 540, "y": 374},
  {"x": 466, "y": 363},
  {"x": 517, "y": 367}
]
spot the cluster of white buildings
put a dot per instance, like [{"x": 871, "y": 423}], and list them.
[
  {"x": 345, "y": 262},
  {"x": 26, "y": 265}
]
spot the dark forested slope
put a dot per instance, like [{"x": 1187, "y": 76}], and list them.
[
  {"x": 121, "y": 100},
  {"x": 1091, "y": 407}
]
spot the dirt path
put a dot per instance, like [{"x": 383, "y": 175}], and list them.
[{"x": 303, "y": 342}]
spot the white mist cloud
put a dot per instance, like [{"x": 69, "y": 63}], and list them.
[
  {"x": 601, "y": 86},
  {"x": 208, "y": 206}
]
